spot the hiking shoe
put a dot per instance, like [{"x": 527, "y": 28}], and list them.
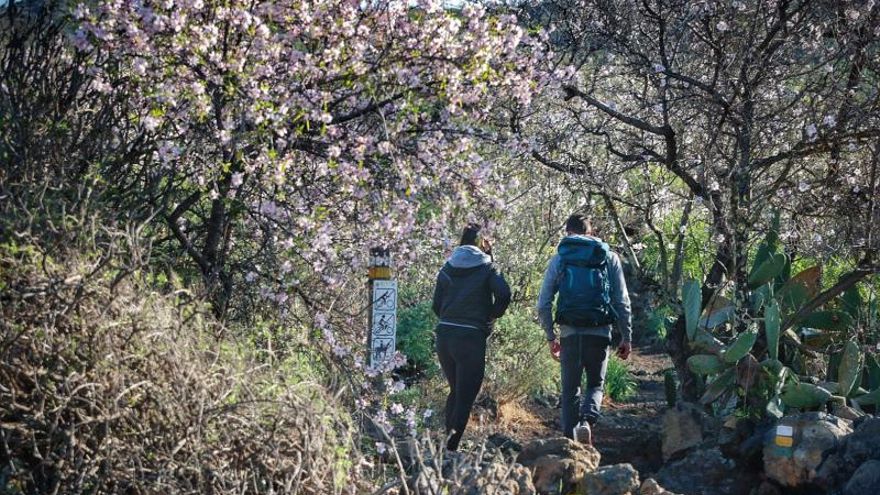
[{"x": 583, "y": 434}]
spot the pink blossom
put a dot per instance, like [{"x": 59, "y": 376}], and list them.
[
  {"x": 811, "y": 131},
  {"x": 237, "y": 179},
  {"x": 329, "y": 162},
  {"x": 151, "y": 123},
  {"x": 81, "y": 41}
]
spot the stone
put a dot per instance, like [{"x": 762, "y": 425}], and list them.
[
  {"x": 859, "y": 447},
  {"x": 858, "y": 422},
  {"x": 683, "y": 430},
  {"x": 504, "y": 443},
  {"x": 466, "y": 473},
  {"x": 558, "y": 464},
  {"x": 743, "y": 441},
  {"x": 552, "y": 474},
  {"x": 617, "y": 479},
  {"x": 814, "y": 437},
  {"x": 628, "y": 440},
  {"x": 733, "y": 433},
  {"x": 846, "y": 412},
  {"x": 865, "y": 481},
  {"x": 864, "y": 443},
  {"x": 768, "y": 488},
  {"x": 651, "y": 487},
  {"x": 704, "y": 472},
  {"x": 498, "y": 479}
]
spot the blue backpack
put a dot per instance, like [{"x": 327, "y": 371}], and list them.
[{"x": 584, "y": 289}]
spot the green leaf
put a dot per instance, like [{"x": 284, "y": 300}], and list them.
[
  {"x": 819, "y": 339},
  {"x": 775, "y": 408},
  {"x": 810, "y": 279},
  {"x": 872, "y": 369},
  {"x": 785, "y": 275},
  {"x": 804, "y": 395},
  {"x": 793, "y": 295},
  {"x": 832, "y": 387},
  {"x": 780, "y": 375},
  {"x": 768, "y": 270},
  {"x": 768, "y": 246},
  {"x": 704, "y": 341},
  {"x": 716, "y": 316},
  {"x": 705, "y": 364},
  {"x": 827, "y": 320},
  {"x": 691, "y": 300},
  {"x": 740, "y": 347},
  {"x": 759, "y": 297},
  {"x": 850, "y": 368},
  {"x": 834, "y": 360},
  {"x": 772, "y": 324},
  {"x": 723, "y": 383},
  {"x": 872, "y": 398},
  {"x": 773, "y": 366},
  {"x": 851, "y": 301}
]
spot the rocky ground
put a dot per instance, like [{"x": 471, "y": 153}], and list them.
[
  {"x": 644, "y": 447},
  {"x": 629, "y": 432}
]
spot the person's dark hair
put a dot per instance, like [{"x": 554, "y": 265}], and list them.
[
  {"x": 471, "y": 235},
  {"x": 577, "y": 223}
]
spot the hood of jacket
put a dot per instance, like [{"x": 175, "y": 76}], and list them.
[
  {"x": 468, "y": 257},
  {"x": 582, "y": 248}
]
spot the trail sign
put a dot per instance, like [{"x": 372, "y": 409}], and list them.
[
  {"x": 382, "y": 329},
  {"x": 383, "y": 323}
]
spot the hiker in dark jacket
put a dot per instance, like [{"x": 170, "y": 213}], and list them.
[
  {"x": 470, "y": 294},
  {"x": 592, "y": 297}
]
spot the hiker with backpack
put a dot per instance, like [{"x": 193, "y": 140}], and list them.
[
  {"x": 592, "y": 296},
  {"x": 469, "y": 296}
]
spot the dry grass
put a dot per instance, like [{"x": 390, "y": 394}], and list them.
[
  {"x": 515, "y": 417},
  {"x": 106, "y": 387}
]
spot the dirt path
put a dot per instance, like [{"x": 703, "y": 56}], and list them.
[{"x": 628, "y": 432}]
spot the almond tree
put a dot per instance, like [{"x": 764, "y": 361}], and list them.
[
  {"x": 291, "y": 136},
  {"x": 745, "y": 107}
]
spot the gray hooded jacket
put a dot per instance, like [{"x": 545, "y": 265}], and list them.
[{"x": 470, "y": 292}]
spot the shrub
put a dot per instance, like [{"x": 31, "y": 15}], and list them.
[
  {"x": 108, "y": 387},
  {"x": 415, "y": 337},
  {"x": 658, "y": 322},
  {"x": 518, "y": 363},
  {"x": 619, "y": 382}
]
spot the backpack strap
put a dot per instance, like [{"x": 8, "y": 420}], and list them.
[{"x": 585, "y": 264}]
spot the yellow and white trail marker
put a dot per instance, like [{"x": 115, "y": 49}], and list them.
[{"x": 784, "y": 436}]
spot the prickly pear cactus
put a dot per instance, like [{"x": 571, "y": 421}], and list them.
[
  {"x": 853, "y": 378},
  {"x": 670, "y": 385},
  {"x": 804, "y": 395}
]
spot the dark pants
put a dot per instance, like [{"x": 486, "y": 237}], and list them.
[
  {"x": 463, "y": 359},
  {"x": 582, "y": 353}
]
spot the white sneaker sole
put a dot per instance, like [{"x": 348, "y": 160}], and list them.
[{"x": 583, "y": 435}]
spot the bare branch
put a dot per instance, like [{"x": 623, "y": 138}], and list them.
[{"x": 572, "y": 92}]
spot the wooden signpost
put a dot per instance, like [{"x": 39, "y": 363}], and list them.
[{"x": 382, "y": 334}]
